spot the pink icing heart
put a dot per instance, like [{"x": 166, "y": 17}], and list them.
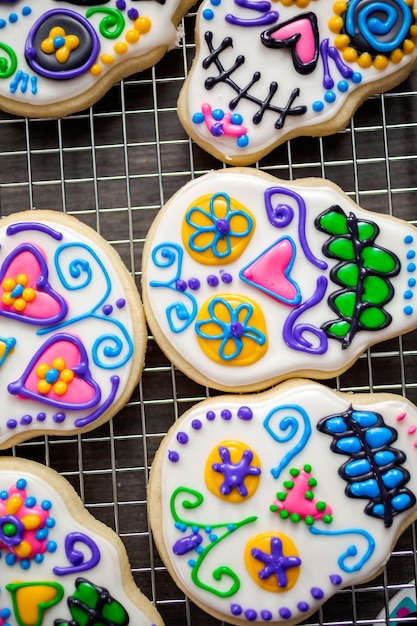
[
  {"x": 25, "y": 292},
  {"x": 300, "y": 35},
  {"x": 58, "y": 375}
]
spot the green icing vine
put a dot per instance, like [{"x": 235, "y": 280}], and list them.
[
  {"x": 362, "y": 272},
  {"x": 214, "y": 538}
]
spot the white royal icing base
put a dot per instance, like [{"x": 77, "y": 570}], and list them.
[
  {"x": 181, "y": 462},
  {"x": 67, "y": 512},
  {"x": 280, "y": 360},
  {"x": 274, "y": 65},
  {"x": 53, "y": 92},
  {"x": 103, "y": 317}
]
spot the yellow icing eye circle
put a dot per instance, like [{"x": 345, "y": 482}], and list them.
[
  {"x": 272, "y": 561},
  {"x": 233, "y": 471},
  {"x": 216, "y": 229},
  {"x": 231, "y": 330}
]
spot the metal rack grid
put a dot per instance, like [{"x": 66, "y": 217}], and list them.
[{"x": 113, "y": 166}]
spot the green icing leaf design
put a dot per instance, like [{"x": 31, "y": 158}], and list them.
[{"x": 363, "y": 271}]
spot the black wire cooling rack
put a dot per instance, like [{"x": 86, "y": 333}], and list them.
[{"x": 113, "y": 166}]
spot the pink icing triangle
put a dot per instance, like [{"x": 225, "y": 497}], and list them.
[
  {"x": 296, "y": 502},
  {"x": 269, "y": 272}
]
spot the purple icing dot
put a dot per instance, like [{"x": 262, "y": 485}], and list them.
[
  {"x": 210, "y": 415},
  {"x": 226, "y": 414},
  {"x": 303, "y": 607},
  {"x": 223, "y": 226},
  {"x": 266, "y": 615},
  {"x": 107, "y": 309},
  {"x": 250, "y": 615},
  {"x": 227, "y": 278},
  {"x": 212, "y": 280},
  {"x": 335, "y": 579},
  {"x": 120, "y": 303},
  {"x": 26, "y": 419},
  {"x": 11, "y": 424},
  {"x": 194, "y": 283},
  {"x": 58, "y": 418},
  {"x": 217, "y": 129},
  {"x": 235, "y": 609},
  {"x": 285, "y": 613},
  {"x": 237, "y": 329},
  {"x": 41, "y": 417},
  {"x": 173, "y": 456},
  {"x": 181, "y": 284},
  {"x": 245, "y": 413},
  {"x": 196, "y": 424},
  {"x": 317, "y": 593},
  {"x": 133, "y": 14},
  {"x": 121, "y": 5},
  {"x": 182, "y": 438}
]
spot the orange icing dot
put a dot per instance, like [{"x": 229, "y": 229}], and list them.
[
  {"x": 335, "y": 24},
  {"x": 120, "y": 47},
  {"x": 107, "y": 59},
  {"x": 95, "y": 69},
  {"x": 365, "y": 60},
  {"x": 143, "y": 25},
  {"x": 132, "y": 36},
  {"x": 380, "y": 62}
]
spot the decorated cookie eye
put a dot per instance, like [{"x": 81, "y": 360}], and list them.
[
  {"x": 273, "y": 562},
  {"x": 233, "y": 471},
  {"x": 231, "y": 330},
  {"x": 217, "y": 228}
]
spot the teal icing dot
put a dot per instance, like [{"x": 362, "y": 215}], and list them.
[
  {"x": 411, "y": 282},
  {"x": 411, "y": 254},
  {"x": 21, "y": 483},
  {"x": 215, "y": 3},
  {"x": 408, "y": 239},
  {"x": 243, "y": 141},
  {"x": 198, "y": 118},
  {"x": 411, "y": 267},
  {"x": 408, "y": 294},
  {"x": 3, "y": 23},
  {"x": 356, "y": 77},
  {"x": 330, "y": 96},
  {"x": 26, "y": 11},
  {"x": 13, "y": 17},
  {"x": 318, "y": 106},
  {"x": 408, "y": 310},
  {"x": 191, "y": 563},
  {"x": 343, "y": 86},
  {"x": 208, "y": 14}
]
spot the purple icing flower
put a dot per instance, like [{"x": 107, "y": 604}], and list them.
[
  {"x": 275, "y": 563},
  {"x": 235, "y": 473}
]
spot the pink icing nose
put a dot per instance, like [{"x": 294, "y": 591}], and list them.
[{"x": 306, "y": 45}]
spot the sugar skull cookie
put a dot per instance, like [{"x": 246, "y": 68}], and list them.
[
  {"x": 60, "y": 57},
  {"x": 248, "y": 279},
  {"x": 265, "y": 72},
  {"x": 73, "y": 334},
  {"x": 56, "y": 557},
  {"x": 265, "y": 506}
]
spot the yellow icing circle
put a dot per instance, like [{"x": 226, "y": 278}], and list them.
[
  {"x": 231, "y": 330},
  {"x": 143, "y": 25},
  {"x": 215, "y": 479},
  {"x": 201, "y": 234},
  {"x": 255, "y": 566}
]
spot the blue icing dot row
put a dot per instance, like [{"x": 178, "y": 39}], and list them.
[
  {"x": 411, "y": 282},
  {"x": 330, "y": 96},
  {"x": 13, "y": 17}
]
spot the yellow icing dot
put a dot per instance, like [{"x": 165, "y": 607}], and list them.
[
  {"x": 58, "y": 364},
  {"x": 44, "y": 386},
  {"x": 335, "y": 24},
  {"x": 120, "y": 47},
  {"x": 22, "y": 279},
  {"x": 7, "y": 299},
  {"x": 302, "y": 4},
  {"x": 365, "y": 60},
  {"x": 396, "y": 55},
  {"x": 31, "y": 521},
  {"x": 254, "y": 566},
  {"x": 67, "y": 375},
  {"x": 214, "y": 480},
  {"x": 201, "y": 234},
  {"x": 23, "y": 549},
  {"x": 341, "y": 42},
  {"x": 107, "y": 59},
  {"x": 60, "y": 387},
  {"x": 350, "y": 55},
  {"x": 232, "y": 342},
  {"x": 8, "y": 284},
  {"x": 95, "y": 69},
  {"x": 143, "y": 25},
  {"x": 29, "y": 294},
  {"x": 19, "y": 304},
  {"x": 408, "y": 46},
  {"x": 42, "y": 369},
  {"x": 380, "y": 62},
  {"x": 339, "y": 7},
  {"x": 132, "y": 36}
]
